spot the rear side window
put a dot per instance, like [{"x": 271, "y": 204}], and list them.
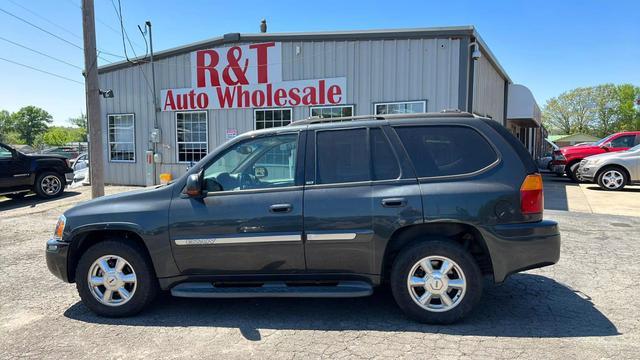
[
  {"x": 342, "y": 156},
  {"x": 446, "y": 150},
  {"x": 385, "y": 165}
]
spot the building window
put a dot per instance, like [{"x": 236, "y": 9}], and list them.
[
  {"x": 122, "y": 139},
  {"x": 272, "y": 117},
  {"x": 328, "y": 112},
  {"x": 400, "y": 107},
  {"x": 192, "y": 135}
]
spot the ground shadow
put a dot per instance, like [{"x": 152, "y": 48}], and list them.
[
  {"x": 555, "y": 191},
  {"x": 32, "y": 200},
  {"x": 626, "y": 189},
  {"x": 525, "y": 306}
]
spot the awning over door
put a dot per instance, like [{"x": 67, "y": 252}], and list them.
[{"x": 522, "y": 109}]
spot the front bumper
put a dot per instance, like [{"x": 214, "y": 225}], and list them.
[
  {"x": 69, "y": 177},
  {"x": 56, "y": 254},
  {"x": 587, "y": 173},
  {"x": 524, "y": 246}
]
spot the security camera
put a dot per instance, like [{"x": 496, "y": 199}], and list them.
[{"x": 476, "y": 54}]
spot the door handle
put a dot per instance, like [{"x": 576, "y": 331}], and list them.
[
  {"x": 394, "y": 202},
  {"x": 280, "y": 208}
]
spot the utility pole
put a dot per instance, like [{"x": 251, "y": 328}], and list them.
[{"x": 92, "y": 89}]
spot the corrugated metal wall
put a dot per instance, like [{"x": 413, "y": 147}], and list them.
[
  {"x": 488, "y": 90},
  {"x": 376, "y": 71}
]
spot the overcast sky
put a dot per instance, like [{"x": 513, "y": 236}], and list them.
[{"x": 550, "y": 46}]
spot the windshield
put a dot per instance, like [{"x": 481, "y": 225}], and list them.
[{"x": 602, "y": 141}]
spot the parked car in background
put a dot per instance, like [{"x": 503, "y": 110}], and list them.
[
  {"x": 80, "y": 168},
  {"x": 46, "y": 175},
  {"x": 67, "y": 151},
  {"x": 544, "y": 162},
  {"x": 612, "y": 171},
  {"x": 429, "y": 203},
  {"x": 567, "y": 159}
]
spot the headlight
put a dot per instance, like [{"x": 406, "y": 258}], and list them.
[{"x": 57, "y": 234}]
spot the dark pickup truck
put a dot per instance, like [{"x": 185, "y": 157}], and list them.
[
  {"x": 46, "y": 175},
  {"x": 428, "y": 203}
]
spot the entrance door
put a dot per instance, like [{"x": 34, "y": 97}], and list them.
[{"x": 254, "y": 224}]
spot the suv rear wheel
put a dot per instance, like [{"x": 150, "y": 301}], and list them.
[
  {"x": 115, "y": 279},
  {"x": 49, "y": 185},
  {"x": 436, "y": 282}
]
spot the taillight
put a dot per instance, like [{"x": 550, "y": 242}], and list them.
[{"x": 531, "y": 195}]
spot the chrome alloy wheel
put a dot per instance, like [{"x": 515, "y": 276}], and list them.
[
  {"x": 436, "y": 283},
  {"x": 51, "y": 185},
  {"x": 112, "y": 280},
  {"x": 612, "y": 179}
]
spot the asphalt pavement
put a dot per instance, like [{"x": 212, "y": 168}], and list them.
[{"x": 585, "y": 307}]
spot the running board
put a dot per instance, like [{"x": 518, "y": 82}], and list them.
[{"x": 273, "y": 289}]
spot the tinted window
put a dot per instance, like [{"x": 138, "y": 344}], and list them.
[
  {"x": 623, "y": 141},
  {"x": 446, "y": 150},
  {"x": 385, "y": 165},
  {"x": 342, "y": 156}
]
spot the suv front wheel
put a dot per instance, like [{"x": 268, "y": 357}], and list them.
[
  {"x": 436, "y": 282},
  {"x": 114, "y": 279},
  {"x": 49, "y": 185}
]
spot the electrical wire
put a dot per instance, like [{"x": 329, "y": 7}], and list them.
[
  {"x": 42, "y": 71},
  {"x": 105, "y": 24},
  {"x": 123, "y": 33},
  {"x": 54, "y": 35},
  {"x": 41, "y": 53}
]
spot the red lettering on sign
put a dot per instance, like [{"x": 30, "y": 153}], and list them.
[
  {"x": 294, "y": 95},
  {"x": 261, "y": 52},
  {"x": 168, "y": 101},
  {"x": 334, "y": 90},
  {"x": 202, "y": 68},
  {"x": 280, "y": 97},
  {"x": 233, "y": 57},
  {"x": 203, "y": 100},
  {"x": 309, "y": 97},
  {"x": 258, "y": 98},
  {"x": 226, "y": 96},
  {"x": 243, "y": 97}
]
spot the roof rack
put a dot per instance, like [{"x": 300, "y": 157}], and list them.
[{"x": 443, "y": 113}]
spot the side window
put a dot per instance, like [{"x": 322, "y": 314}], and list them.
[
  {"x": 626, "y": 141},
  {"x": 385, "y": 165},
  {"x": 261, "y": 163},
  {"x": 5, "y": 153},
  {"x": 446, "y": 150},
  {"x": 342, "y": 156}
]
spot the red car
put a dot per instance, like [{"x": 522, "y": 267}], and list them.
[{"x": 567, "y": 159}]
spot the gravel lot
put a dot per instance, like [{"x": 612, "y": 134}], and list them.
[{"x": 584, "y": 307}]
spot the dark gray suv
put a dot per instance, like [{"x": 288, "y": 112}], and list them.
[{"x": 429, "y": 203}]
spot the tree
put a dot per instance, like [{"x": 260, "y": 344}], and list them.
[
  {"x": 606, "y": 103},
  {"x": 80, "y": 122},
  {"x": 571, "y": 112},
  {"x": 629, "y": 116},
  {"x": 58, "y": 136},
  {"x": 6, "y": 125},
  {"x": 29, "y": 122}
]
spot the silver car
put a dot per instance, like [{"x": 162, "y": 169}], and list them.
[{"x": 612, "y": 171}]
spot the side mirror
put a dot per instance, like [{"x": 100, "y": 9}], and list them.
[
  {"x": 260, "y": 171},
  {"x": 606, "y": 146},
  {"x": 194, "y": 186}
]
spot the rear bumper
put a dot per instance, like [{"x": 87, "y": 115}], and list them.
[
  {"x": 519, "y": 247},
  {"x": 56, "y": 254}
]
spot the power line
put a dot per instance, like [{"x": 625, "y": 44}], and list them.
[
  {"x": 54, "y": 35},
  {"x": 45, "y": 19},
  {"x": 42, "y": 71},
  {"x": 97, "y": 19},
  {"x": 40, "y": 52}
]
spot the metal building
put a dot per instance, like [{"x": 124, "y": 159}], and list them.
[{"x": 211, "y": 91}]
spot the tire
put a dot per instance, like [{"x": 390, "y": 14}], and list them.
[
  {"x": 140, "y": 293},
  {"x": 612, "y": 178},
  {"x": 571, "y": 171},
  {"x": 49, "y": 185},
  {"x": 16, "y": 196},
  {"x": 463, "y": 299}
]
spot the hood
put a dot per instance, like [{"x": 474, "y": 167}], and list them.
[
  {"x": 603, "y": 156},
  {"x": 45, "y": 156},
  {"x": 126, "y": 202},
  {"x": 587, "y": 149}
]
